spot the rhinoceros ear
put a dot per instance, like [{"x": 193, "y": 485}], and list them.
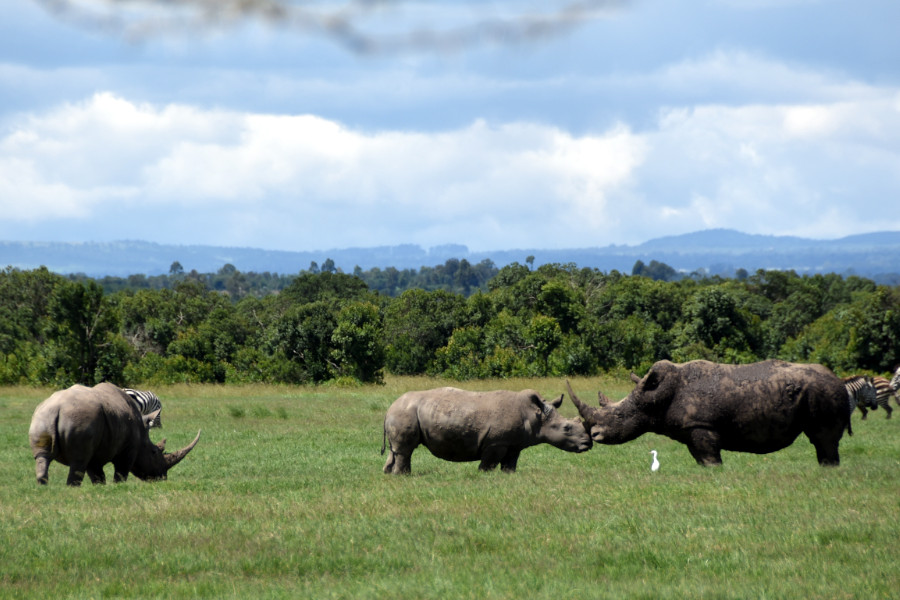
[
  {"x": 558, "y": 402},
  {"x": 546, "y": 409},
  {"x": 162, "y": 445},
  {"x": 151, "y": 419},
  {"x": 635, "y": 378},
  {"x": 658, "y": 376}
]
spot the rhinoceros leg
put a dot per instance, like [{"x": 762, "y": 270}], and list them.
[
  {"x": 389, "y": 463},
  {"x": 121, "y": 466},
  {"x": 403, "y": 437},
  {"x": 495, "y": 455},
  {"x": 96, "y": 474},
  {"x": 41, "y": 468},
  {"x": 705, "y": 447},
  {"x": 397, "y": 463},
  {"x": 508, "y": 464},
  {"x": 826, "y": 445},
  {"x": 828, "y": 455},
  {"x": 76, "y": 474}
]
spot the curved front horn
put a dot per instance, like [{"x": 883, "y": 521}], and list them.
[
  {"x": 176, "y": 457},
  {"x": 588, "y": 413}
]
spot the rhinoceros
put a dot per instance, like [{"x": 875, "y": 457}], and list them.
[
  {"x": 461, "y": 426},
  {"x": 85, "y": 428},
  {"x": 759, "y": 408}
]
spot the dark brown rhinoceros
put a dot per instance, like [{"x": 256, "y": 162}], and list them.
[
  {"x": 710, "y": 407},
  {"x": 493, "y": 427},
  {"x": 85, "y": 428}
]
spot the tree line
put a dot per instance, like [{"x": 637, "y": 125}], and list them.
[
  {"x": 322, "y": 324},
  {"x": 455, "y": 275}
]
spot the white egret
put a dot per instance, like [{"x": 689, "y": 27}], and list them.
[{"x": 655, "y": 465}]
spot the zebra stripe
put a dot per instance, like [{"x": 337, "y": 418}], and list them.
[
  {"x": 883, "y": 393},
  {"x": 147, "y": 402},
  {"x": 860, "y": 392},
  {"x": 895, "y": 380}
]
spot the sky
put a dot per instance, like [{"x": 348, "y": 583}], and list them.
[{"x": 325, "y": 124}]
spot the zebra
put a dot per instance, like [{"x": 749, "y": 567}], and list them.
[
  {"x": 860, "y": 392},
  {"x": 883, "y": 393},
  {"x": 147, "y": 402}
]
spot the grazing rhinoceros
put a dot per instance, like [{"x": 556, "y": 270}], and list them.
[
  {"x": 759, "y": 408},
  {"x": 493, "y": 427},
  {"x": 85, "y": 428}
]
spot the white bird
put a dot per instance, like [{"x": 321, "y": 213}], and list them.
[{"x": 655, "y": 465}]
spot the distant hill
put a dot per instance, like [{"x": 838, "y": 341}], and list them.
[{"x": 716, "y": 252}]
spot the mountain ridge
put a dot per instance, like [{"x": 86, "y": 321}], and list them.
[{"x": 714, "y": 251}]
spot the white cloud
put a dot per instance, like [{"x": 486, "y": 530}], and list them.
[
  {"x": 819, "y": 169},
  {"x": 823, "y": 170},
  {"x": 470, "y": 184}
]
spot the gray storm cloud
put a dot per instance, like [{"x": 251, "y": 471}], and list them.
[{"x": 363, "y": 26}]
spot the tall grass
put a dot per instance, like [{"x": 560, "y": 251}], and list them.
[{"x": 284, "y": 497}]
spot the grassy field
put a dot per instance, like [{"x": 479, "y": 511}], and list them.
[{"x": 284, "y": 497}]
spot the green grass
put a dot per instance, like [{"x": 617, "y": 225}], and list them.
[{"x": 284, "y": 497}]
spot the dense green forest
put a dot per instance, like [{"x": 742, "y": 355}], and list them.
[{"x": 456, "y": 320}]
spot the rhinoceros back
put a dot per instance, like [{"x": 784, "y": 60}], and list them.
[{"x": 78, "y": 417}]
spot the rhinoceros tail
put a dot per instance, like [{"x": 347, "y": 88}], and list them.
[{"x": 383, "y": 439}]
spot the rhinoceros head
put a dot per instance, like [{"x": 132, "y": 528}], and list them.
[
  {"x": 153, "y": 463},
  {"x": 570, "y": 435},
  {"x": 631, "y": 417}
]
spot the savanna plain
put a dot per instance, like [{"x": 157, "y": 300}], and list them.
[{"x": 284, "y": 497}]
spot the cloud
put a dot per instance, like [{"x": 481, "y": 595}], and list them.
[
  {"x": 188, "y": 174},
  {"x": 824, "y": 169},
  {"x": 307, "y": 173}
]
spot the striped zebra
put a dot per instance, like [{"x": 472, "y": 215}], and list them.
[
  {"x": 147, "y": 402},
  {"x": 860, "y": 392},
  {"x": 883, "y": 391}
]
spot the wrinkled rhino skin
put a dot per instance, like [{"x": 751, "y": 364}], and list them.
[
  {"x": 85, "y": 428},
  {"x": 759, "y": 408},
  {"x": 493, "y": 427}
]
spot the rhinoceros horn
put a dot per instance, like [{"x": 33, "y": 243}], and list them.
[
  {"x": 176, "y": 457},
  {"x": 588, "y": 413},
  {"x": 602, "y": 400}
]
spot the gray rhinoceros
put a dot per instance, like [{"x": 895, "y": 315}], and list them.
[
  {"x": 710, "y": 407},
  {"x": 85, "y": 428},
  {"x": 460, "y": 426}
]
